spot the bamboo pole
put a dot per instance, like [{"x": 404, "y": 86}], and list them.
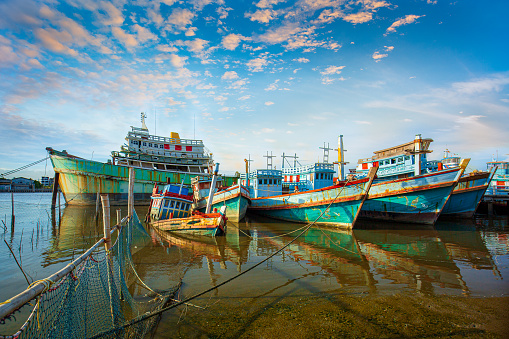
[
  {"x": 106, "y": 221},
  {"x": 22, "y": 298}
]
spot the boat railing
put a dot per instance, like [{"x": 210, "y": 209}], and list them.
[{"x": 192, "y": 142}]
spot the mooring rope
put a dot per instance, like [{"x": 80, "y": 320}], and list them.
[{"x": 22, "y": 167}]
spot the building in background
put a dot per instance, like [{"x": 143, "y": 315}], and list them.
[
  {"x": 5, "y": 185},
  {"x": 22, "y": 184},
  {"x": 47, "y": 181}
]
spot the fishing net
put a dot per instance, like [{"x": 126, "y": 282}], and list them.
[{"x": 94, "y": 300}]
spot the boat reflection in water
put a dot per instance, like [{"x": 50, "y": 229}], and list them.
[{"x": 451, "y": 257}]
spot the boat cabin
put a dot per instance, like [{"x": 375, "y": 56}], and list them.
[
  {"x": 173, "y": 201},
  {"x": 263, "y": 183},
  {"x": 306, "y": 178},
  {"x": 401, "y": 161}
]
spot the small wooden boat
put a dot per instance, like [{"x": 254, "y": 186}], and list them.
[
  {"x": 212, "y": 224},
  {"x": 170, "y": 210}
]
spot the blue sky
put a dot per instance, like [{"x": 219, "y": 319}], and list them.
[{"x": 249, "y": 77}]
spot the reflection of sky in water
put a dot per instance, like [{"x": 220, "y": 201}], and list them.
[{"x": 452, "y": 258}]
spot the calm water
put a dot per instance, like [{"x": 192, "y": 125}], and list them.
[{"x": 468, "y": 257}]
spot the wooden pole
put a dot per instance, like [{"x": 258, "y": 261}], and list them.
[
  {"x": 130, "y": 199},
  {"x": 119, "y": 218},
  {"x": 55, "y": 190},
  {"x": 12, "y": 213},
  {"x": 97, "y": 203},
  {"x": 212, "y": 189},
  {"x": 106, "y": 220}
]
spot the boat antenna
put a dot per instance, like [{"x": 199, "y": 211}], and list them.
[
  {"x": 269, "y": 159},
  {"x": 326, "y": 150},
  {"x": 143, "y": 117}
]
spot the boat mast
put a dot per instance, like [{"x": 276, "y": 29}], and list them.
[{"x": 341, "y": 159}]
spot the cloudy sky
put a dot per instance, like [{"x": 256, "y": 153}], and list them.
[{"x": 251, "y": 77}]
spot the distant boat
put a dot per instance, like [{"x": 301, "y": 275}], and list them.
[
  {"x": 236, "y": 197},
  {"x": 500, "y": 183},
  {"x": 467, "y": 194},
  {"x": 156, "y": 160},
  {"x": 171, "y": 211},
  {"x": 335, "y": 205},
  {"x": 408, "y": 188}
]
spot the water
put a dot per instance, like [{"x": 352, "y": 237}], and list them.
[{"x": 467, "y": 258}]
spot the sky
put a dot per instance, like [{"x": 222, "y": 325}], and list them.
[{"x": 253, "y": 78}]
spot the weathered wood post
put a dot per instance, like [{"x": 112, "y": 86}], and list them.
[
  {"x": 119, "y": 220},
  {"x": 130, "y": 199},
  {"x": 97, "y": 202},
  {"x": 55, "y": 190},
  {"x": 106, "y": 220},
  {"x": 212, "y": 189},
  {"x": 490, "y": 207},
  {"x": 12, "y": 212}
]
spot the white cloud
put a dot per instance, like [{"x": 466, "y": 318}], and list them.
[
  {"x": 144, "y": 34},
  {"x": 273, "y": 86},
  {"x": 301, "y": 60},
  {"x": 230, "y": 75},
  {"x": 257, "y": 64},
  {"x": 177, "y": 61},
  {"x": 332, "y": 70},
  {"x": 358, "y": 18},
  {"x": 231, "y": 41},
  {"x": 262, "y": 15},
  {"x": 405, "y": 21},
  {"x": 268, "y": 103},
  {"x": 245, "y": 97},
  {"x": 180, "y": 18},
  {"x": 173, "y": 102},
  {"x": 362, "y": 122}
]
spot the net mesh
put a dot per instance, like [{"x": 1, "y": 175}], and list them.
[{"x": 94, "y": 300}]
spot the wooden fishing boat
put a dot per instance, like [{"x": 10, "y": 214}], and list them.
[
  {"x": 335, "y": 205},
  {"x": 171, "y": 211},
  {"x": 409, "y": 188},
  {"x": 236, "y": 197}
]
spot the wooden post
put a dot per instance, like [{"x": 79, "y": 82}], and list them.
[
  {"x": 490, "y": 207},
  {"x": 106, "y": 220},
  {"x": 55, "y": 190},
  {"x": 119, "y": 216},
  {"x": 212, "y": 189},
  {"x": 13, "y": 218},
  {"x": 130, "y": 199}
]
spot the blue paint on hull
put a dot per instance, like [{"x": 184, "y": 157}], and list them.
[
  {"x": 236, "y": 204},
  {"x": 418, "y": 199},
  {"x": 341, "y": 205},
  {"x": 466, "y": 196}
]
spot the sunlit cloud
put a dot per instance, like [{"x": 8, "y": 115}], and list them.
[{"x": 409, "y": 19}]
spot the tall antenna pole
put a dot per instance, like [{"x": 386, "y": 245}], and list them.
[{"x": 269, "y": 159}]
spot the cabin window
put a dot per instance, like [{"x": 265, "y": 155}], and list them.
[
  {"x": 400, "y": 159},
  {"x": 265, "y": 181},
  {"x": 177, "y": 206},
  {"x": 260, "y": 181},
  {"x": 316, "y": 176},
  {"x": 144, "y": 144},
  {"x": 172, "y": 204},
  {"x": 161, "y": 146},
  {"x": 393, "y": 161},
  {"x": 166, "y": 203},
  {"x": 407, "y": 157}
]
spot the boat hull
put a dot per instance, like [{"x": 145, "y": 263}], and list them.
[
  {"x": 466, "y": 196},
  {"x": 235, "y": 200},
  {"x": 80, "y": 180},
  {"x": 418, "y": 199},
  {"x": 209, "y": 226},
  {"x": 335, "y": 205}
]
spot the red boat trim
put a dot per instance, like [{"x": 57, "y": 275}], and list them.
[{"x": 417, "y": 176}]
